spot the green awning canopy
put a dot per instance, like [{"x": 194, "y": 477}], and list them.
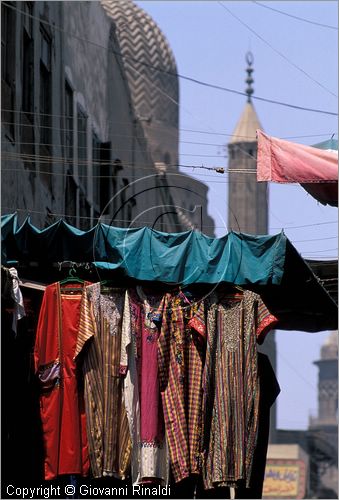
[
  {"x": 268, "y": 264},
  {"x": 330, "y": 144},
  {"x": 149, "y": 255}
]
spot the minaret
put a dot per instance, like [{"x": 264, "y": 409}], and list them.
[
  {"x": 323, "y": 429},
  {"x": 247, "y": 198},
  {"x": 328, "y": 384}
]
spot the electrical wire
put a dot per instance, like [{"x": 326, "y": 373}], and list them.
[
  {"x": 99, "y": 148},
  {"x": 163, "y": 92},
  {"x": 61, "y": 129},
  {"x": 326, "y": 257},
  {"x": 26, "y": 210},
  {"x": 296, "y": 17},
  {"x": 156, "y": 127},
  {"x": 320, "y": 251},
  {"x": 85, "y": 176},
  {"x": 308, "y": 225},
  {"x": 237, "y": 146},
  {"x": 315, "y": 239},
  {"x": 62, "y": 161},
  {"x": 285, "y": 360},
  {"x": 68, "y": 216},
  {"x": 177, "y": 75},
  {"x": 247, "y": 137},
  {"x": 125, "y": 150},
  {"x": 277, "y": 51},
  {"x": 197, "y": 155}
]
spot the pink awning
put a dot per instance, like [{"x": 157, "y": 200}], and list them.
[{"x": 283, "y": 161}]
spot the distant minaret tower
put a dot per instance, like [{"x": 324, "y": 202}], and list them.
[
  {"x": 328, "y": 384},
  {"x": 247, "y": 198},
  {"x": 324, "y": 427}
]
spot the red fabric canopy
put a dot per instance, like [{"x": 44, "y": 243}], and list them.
[{"x": 283, "y": 161}]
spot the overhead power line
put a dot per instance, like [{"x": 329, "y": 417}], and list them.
[
  {"x": 316, "y": 239},
  {"x": 277, "y": 51},
  {"x": 246, "y": 137},
  {"x": 177, "y": 75},
  {"x": 320, "y": 251},
  {"x": 263, "y": 99},
  {"x": 308, "y": 225},
  {"x": 63, "y": 162},
  {"x": 296, "y": 17},
  {"x": 28, "y": 211},
  {"x": 157, "y": 126}
]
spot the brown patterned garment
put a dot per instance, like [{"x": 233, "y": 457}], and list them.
[
  {"x": 181, "y": 353},
  {"x": 107, "y": 425},
  {"x": 231, "y": 386}
]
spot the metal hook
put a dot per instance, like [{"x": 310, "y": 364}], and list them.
[{"x": 72, "y": 272}]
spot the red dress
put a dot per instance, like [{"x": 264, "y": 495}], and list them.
[{"x": 61, "y": 400}]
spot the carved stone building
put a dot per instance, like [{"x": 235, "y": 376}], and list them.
[{"x": 83, "y": 134}]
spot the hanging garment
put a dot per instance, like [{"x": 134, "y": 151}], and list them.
[
  {"x": 19, "y": 308},
  {"x": 61, "y": 401},
  {"x": 11, "y": 295},
  {"x": 181, "y": 361},
  {"x": 107, "y": 425},
  {"x": 139, "y": 363},
  {"x": 231, "y": 386},
  {"x": 21, "y": 437},
  {"x": 269, "y": 391}
]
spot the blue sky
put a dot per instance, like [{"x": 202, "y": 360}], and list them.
[{"x": 294, "y": 62}]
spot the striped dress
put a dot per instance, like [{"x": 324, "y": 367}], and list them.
[
  {"x": 107, "y": 425},
  {"x": 181, "y": 349},
  {"x": 231, "y": 386}
]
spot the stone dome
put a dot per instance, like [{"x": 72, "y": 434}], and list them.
[
  {"x": 141, "y": 39},
  {"x": 329, "y": 349}
]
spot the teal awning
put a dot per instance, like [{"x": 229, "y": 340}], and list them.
[
  {"x": 149, "y": 255},
  {"x": 269, "y": 265},
  {"x": 330, "y": 144}
]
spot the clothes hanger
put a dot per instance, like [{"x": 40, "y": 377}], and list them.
[
  {"x": 234, "y": 292},
  {"x": 183, "y": 295},
  {"x": 105, "y": 282},
  {"x": 71, "y": 278},
  {"x": 108, "y": 286}
]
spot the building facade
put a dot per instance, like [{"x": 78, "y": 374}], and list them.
[
  {"x": 75, "y": 133},
  {"x": 320, "y": 440},
  {"x": 323, "y": 428}
]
